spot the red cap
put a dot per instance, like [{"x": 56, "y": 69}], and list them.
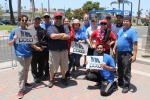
[
  {"x": 103, "y": 21},
  {"x": 57, "y": 14}
]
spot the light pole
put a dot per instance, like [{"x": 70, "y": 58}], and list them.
[
  {"x": 138, "y": 12},
  {"x": 48, "y": 8}
]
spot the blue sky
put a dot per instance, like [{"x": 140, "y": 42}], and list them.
[{"x": 78, "y": 4}]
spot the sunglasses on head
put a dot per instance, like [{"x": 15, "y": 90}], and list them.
[
  {"x": 46, "y": 17},
  {"x": 103, "y": 23},
  {"x": 58, "y": 18},
  {"x": 24, "y": 20}
]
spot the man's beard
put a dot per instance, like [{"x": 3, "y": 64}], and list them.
[{"x": 100, "y": 53}]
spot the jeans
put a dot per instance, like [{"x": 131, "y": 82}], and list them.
[{"x": 124, "y": 68}]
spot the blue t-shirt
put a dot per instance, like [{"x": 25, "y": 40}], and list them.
[
  {"x": 105, "y": 73},
  {"x": 45, "y": 26},
  {"x": 84, "y": 27},
  {"x": 23, "y": 50},
  {"x": 79, "y": 35},
  {"x": 125, "y": 39}
]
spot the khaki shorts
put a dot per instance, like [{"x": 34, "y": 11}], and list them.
[{"x": 58, "y": 58}]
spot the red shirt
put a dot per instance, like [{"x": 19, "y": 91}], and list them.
[
  {"x": 72, "y": 36},
  {"x": 99, "y": 35},
  {"x": 109, "y": 26}
]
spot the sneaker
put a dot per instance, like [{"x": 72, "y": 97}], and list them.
[
  {"x": 77, "y": 72},
  {"x": 73, "y": 71},
  {"x": 37, "y": 80},
  {"x": 67, "y": 75},
  {"x": 28, "y": 85},
  {"x": 21, "y": 94},
  {"x": 97, "y": 86},
  {"x": 125, "y": 90},
  {"x": 51, "y": 83},
  {"x": 84, "y": 65},
  {"x": 64, "y": 82}
]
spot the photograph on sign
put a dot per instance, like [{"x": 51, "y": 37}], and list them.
[
  {"x": 79, "y": 48},
  {"x": 94, "y": 62},
  {"x": 25, "y": 36}
]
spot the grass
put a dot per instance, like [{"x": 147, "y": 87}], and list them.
[{"x": 7, "y": 27}]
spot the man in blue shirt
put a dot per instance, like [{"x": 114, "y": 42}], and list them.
[
  {"x": 86, "y": 24},
  {"x": 104, "y": 77},
  {"x": 23, "y": 54},
  {"x": 45, "y": 26},
  {"x": 126, "y": 45}
]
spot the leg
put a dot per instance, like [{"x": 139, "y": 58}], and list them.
[
  {"x": 21, "y": 72},
  {"x": 120, "y": 70},
  {"x": 77, "y": 61},
  {"x": 27, "y": 64},
  {"x": 34, "y": 64},
  {"x": 94, "y": 76},
  {"x": 46, "y": 69}
]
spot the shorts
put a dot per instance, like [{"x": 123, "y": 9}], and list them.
[{"x": 58, "y": 58}]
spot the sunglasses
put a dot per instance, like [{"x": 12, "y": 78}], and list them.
[
  {"x": 103, "y": 23},
  {"x": 24, "y": 20},
  {"x": 58, "y": 18},
  {"x": 46, "y": 17}
]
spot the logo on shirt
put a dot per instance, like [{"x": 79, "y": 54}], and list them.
[{"x": 125, "y": 35}]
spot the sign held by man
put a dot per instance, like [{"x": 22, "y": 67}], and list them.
[
  {"x": 94, "y": 62},
  {"x": 26, "y": 36}
]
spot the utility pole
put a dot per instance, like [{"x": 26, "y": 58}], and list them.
[
  {"x": 48, "y": 8},
  {"x": 33, "y": 9},
  {"x": 42, "y": 7},
  {"x": 138, "y": 12}
]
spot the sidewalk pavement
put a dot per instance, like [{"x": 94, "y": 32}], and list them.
[{"x": 78, "y": 88}]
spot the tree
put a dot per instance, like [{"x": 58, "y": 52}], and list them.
[
  {"x": 78, "y": 13},
  {"x": 89, "y": 5},
  {"x": 68, "y": 13},
  {"x": 119, "y": 2},
  {"x": 147, "y": 47},
  {"x": 19, "y": 7},
  {"x": 1, "y": 10},
  {"x": 12, "y": 19}
]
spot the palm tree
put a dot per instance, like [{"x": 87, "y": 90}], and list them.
[
  {"x": 19, "y": 7},
  {"x": 119, "y": 2},
  {"x": 147, "y": 47},
  {"x": 12, "y": 20}
]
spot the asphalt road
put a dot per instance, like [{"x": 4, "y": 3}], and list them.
[{"x": 5, "y": 50}]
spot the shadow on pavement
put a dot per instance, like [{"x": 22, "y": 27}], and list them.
[
  {"x": 59, "y": 83},
  {"x": 133, "y": 88}
]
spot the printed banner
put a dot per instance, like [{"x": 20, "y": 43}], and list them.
[
  {"x": 79, "y": 48},
  {"x": 25, "y": 36},
  {"x": 94, "y": 62}
]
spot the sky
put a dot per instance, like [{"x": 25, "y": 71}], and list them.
[{"x": 73, "y": 4}]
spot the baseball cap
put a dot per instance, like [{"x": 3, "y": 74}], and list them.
[
  {"x": 103, "y": 21},
  {"x": 127, "y": 18},
  {"x": 119, "y": 15},
  {"x": 37, "y": 16},
  {"x": 76, "y": 21},
  {"x": 108, "y": 17},
  {"x": 46, "y": 14},
  {"x": 57, "y": 14}
]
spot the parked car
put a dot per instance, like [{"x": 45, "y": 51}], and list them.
[
  {"x": 7, "y": 22},
  {"x": 1, "y": 23}
]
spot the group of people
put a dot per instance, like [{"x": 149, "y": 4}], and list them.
[{"x": 52, "y": 50}]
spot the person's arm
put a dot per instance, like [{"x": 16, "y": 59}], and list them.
[
  {"x": 114, "y": 49},
  {"x": 12, "y": 38},
  {"x": 66, "y": 35},
  {"x": 93, "y": 35},
  {"x": 56, "y": 36},
  {"x": 113, "y": 38},
  {"x": 36, "y": 47},
  {"x": 108, "y": 67},
  {"x": 133, "y": 58}
]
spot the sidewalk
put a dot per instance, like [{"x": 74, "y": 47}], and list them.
[{"x": 78, "y": 88}]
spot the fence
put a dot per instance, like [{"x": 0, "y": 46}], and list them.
[{"x": 7, "y": 56}]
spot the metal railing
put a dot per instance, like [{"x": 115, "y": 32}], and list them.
[{"x": 7, "y": 55}]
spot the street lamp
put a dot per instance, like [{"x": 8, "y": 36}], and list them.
[{"x": 48, "y": 8}]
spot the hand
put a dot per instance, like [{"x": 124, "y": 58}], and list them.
[
  {"x": 114, "y": 51},
  {"x": 94, "y": 46},
  {"x": 36, "y": 38},
  {"x": 133, "y": 58},
  {"x": 15, "y": 37},
  {"x": 108, "y": 42},
  {"x": 38, "y": 48},
  {"x": 79, "y": 41},
  {"x": 103, "y": 65}
]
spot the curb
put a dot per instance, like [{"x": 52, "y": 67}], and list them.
[{"x": 143, "y": 61}]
